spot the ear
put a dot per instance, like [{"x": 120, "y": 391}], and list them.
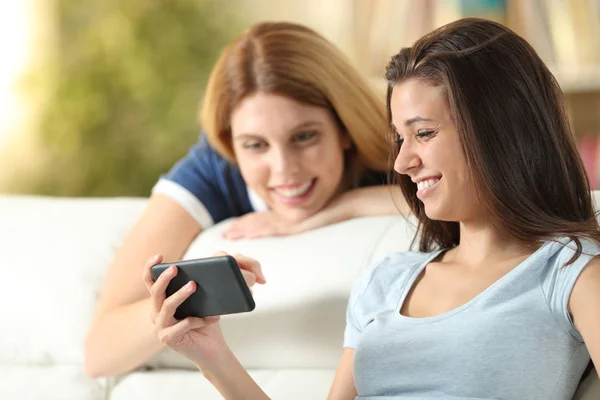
[{"x": 346, "y": 141}]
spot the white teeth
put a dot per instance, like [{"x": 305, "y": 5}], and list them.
[
  {"x": 426, "y": 183},
  {"x": 295, "y": 192}
]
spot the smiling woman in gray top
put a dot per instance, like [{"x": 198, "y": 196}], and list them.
[{"x": 502, "y": 300}]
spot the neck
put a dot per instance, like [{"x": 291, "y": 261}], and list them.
[{"x": 481, "y": 244}]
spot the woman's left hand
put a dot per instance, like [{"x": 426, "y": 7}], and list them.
[{"x": 261, "y": 224}]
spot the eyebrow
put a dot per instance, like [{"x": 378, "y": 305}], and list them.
[
  {"x": 305, "y": 124},
  {"x": 412, "y": 121},
  {"x": 416, "y": 119}
]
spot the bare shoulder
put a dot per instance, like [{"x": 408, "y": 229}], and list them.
[
  {"x": 584, "y": 306},
  {"x": 590, "y": 275},
  {"x": 585, "y": 297}
]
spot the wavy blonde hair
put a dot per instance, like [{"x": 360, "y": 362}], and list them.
[{"x": 296, "y": 62}]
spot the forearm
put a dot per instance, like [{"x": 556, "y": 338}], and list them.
[
  {"x": 371, "y": 201},
  {"x": 121, "y": 340},
  {"x": 231, "y": 379},
  {"x": 355, "y": 203}
]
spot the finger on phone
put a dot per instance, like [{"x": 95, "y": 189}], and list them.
[
  {"x": 158, "y": 289},
  {"x": 251, "y": 265},
  {"x": 176, "y": 299},
  {"x": 147, "y": 272}
]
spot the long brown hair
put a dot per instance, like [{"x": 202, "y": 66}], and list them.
[
  {"x": 510, "y": 114},
  {"x": 296, "y": 62}
]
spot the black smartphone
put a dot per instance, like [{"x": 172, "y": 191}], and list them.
[{"x": 221, "y": 288}]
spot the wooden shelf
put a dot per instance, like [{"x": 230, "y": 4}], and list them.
[{"x": 576, "y": 79}]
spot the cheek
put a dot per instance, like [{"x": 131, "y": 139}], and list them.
[
  {"x": 254, "y": 170},
  {"x": 461, "y": 179},
  {"x": 328, "y": 164},
  {"x": 322, "y": 156},
  {"x": 331, "y": 155}
]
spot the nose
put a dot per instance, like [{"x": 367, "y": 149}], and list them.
[
  {"x": 407, "y": 159},
  {"x": 284, "y": 162}
]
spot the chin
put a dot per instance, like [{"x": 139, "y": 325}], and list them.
[
  {"x": 295, "y": 215},
  {"x": 435, "y": 214},
  {"x": 298, "y": 213}
]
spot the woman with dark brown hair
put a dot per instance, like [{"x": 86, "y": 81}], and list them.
[{"x": 502, "y": 301}]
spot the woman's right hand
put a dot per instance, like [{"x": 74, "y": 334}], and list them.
[{"x": 199, "y": 339}]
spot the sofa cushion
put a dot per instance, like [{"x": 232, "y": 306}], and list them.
[
  {"x": 55, "y": 253},
  {"x": 286, "y": 384},
  {"x": 64, "y": 382},
  {"x": 589, "y": 388}
]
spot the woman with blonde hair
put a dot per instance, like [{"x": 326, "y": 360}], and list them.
[{"x": 294, "y": 139}]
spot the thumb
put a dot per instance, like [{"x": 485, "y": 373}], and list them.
[{"x": 249, "y": 277}]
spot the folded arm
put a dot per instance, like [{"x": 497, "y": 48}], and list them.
[
  {"x": 360, "y": 202},
  {"x": 121, "y": 337},
  {"x": 368, "y": 201}
]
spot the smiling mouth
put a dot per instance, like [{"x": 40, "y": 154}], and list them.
[
  {"x": 426, "y": 187},
  {"x": 427, "y": 183},
  {"x": 295, "y": 191}
]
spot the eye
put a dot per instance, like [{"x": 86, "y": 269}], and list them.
[
  {"x": 304, "y": 136},
  {"x": 255, "y": 145},
  {"x": 399, "y": 141},
  {"x": 424, "y": 133}
]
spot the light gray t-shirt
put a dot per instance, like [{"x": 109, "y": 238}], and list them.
[{"x": 515, "y": 340}]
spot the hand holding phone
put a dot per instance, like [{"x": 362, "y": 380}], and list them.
[
  {"x": 220, "y": 286},
  {"x": 222, "y": 289}
]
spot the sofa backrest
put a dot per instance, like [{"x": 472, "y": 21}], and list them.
[{"x": 59, "y": 249}]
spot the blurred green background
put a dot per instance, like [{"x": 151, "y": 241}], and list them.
[
  {"x": 108, "y": 91},
  {"x": 126, "y": 81}
]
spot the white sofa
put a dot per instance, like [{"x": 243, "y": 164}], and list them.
[{"x": 55, "y": 252}]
